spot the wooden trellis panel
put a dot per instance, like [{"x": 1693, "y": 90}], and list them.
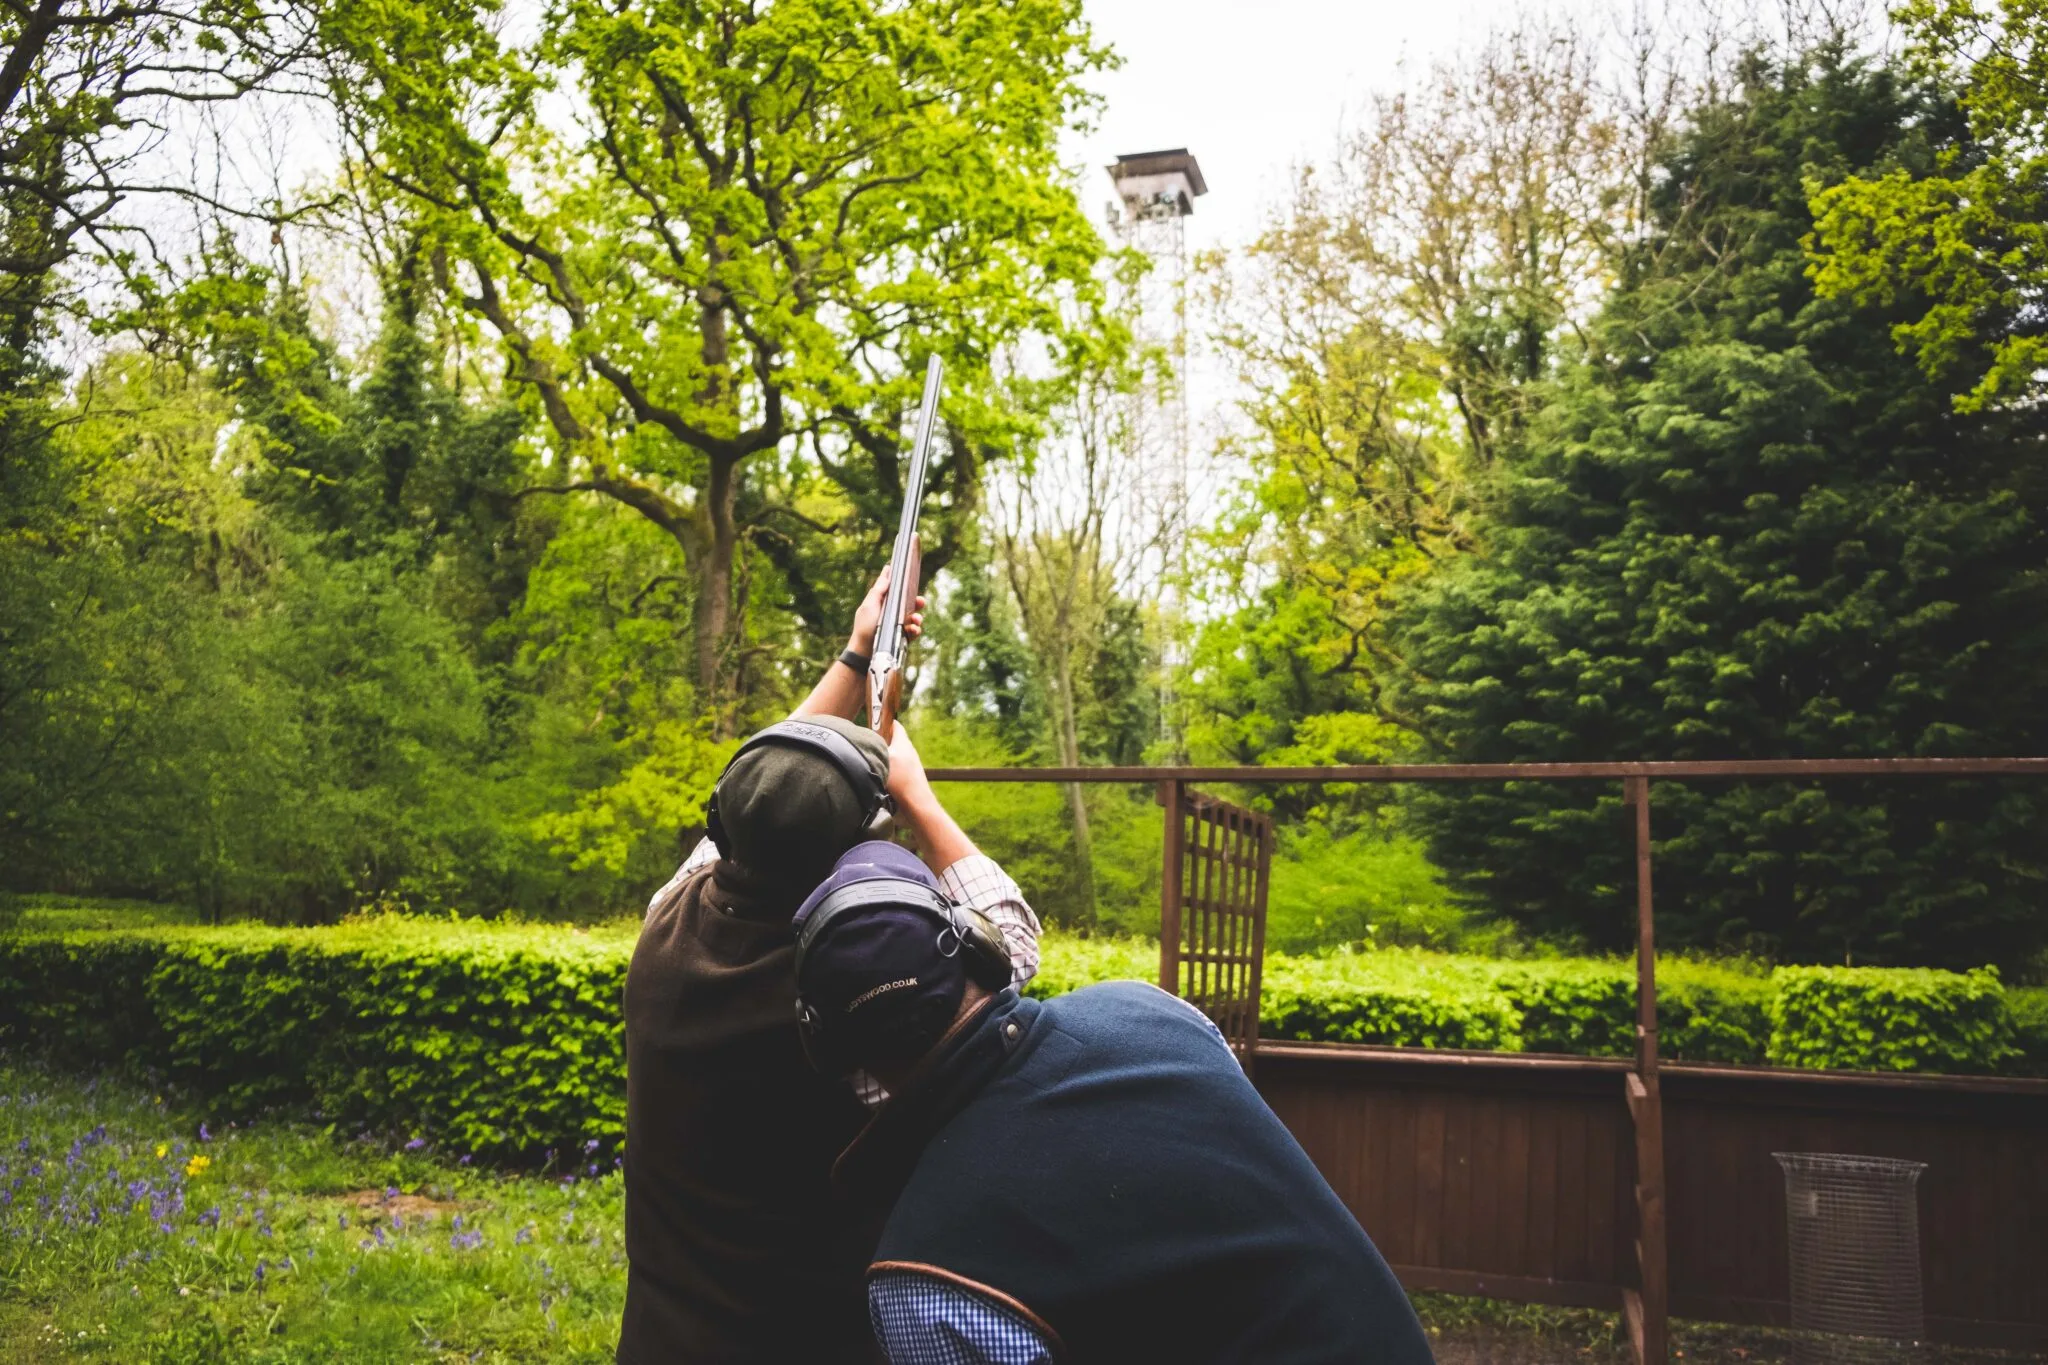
[{"x": 1212, "y": 916}]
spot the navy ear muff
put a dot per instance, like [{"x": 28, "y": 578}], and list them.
[
  {"x": 960, "y": 930},
  {"x": 876, "y": 807}
]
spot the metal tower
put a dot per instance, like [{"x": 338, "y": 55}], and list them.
[{"x": 1156, "y": 193}]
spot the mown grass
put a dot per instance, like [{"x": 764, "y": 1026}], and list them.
[{"x": 130, "y": 1230}]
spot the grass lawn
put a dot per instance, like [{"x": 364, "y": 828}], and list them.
[{"x": 131, "y": 1231}]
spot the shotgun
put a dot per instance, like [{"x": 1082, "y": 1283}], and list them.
[{"x": 885, "y": 667}]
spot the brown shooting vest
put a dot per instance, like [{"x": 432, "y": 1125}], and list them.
[{"x": 735, "y": 1252}]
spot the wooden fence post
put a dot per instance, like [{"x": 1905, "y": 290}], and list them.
[
  {"x": 1172, "y": 796},
  {"x": 1647, "y": 1307}
]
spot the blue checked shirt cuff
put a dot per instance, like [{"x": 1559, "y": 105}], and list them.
[{"x": 924, "y": 1320}]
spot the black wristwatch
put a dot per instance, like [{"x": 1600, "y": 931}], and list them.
[{"x": 854, "y": 660}]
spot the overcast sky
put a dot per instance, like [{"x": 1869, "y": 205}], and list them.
[{"x": 1251, "y": 88}]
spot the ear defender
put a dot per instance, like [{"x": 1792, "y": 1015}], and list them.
[
  {"x": 958, "y": 931},
  {"x": 878, "y": 810},
  {"x": 981, "y": 945}
]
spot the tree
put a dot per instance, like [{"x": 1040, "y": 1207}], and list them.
[
  {"x": 1745, "y": 527},
  {"x": 1389, "y": 326},
  {"x": 760, "y": 222},
  {"x": 1067, "y": 548},
  {"x": 1963, "y": 233}
]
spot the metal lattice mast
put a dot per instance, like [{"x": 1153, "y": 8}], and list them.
[{"x": 1155, "y": 196}]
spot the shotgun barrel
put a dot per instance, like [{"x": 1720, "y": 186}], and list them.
[{"x": 885, "y": 668}]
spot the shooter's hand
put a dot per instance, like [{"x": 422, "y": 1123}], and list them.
[{"x": 869, "y": 618}]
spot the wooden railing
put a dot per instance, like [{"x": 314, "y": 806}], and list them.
[{"x": 1645, "y": 1294}]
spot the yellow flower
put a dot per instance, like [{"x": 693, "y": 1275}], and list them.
[
  {"x": 162, "y": 1147},
  {"x": 198, "y": 1164}
]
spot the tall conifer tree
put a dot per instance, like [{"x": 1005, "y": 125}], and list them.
[{"x": 1746, "y": 527}]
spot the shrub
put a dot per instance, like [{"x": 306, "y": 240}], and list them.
[
  {"x": 500, "y": 1040},
  {"x": 1712, "y": 1012},
  {"x": 1390, "y": 998},
  {"x": 1067, "y": 963},
  {"x": 1889, "y": 1019},
  {"x": 1586, "y": 1009},
  {"x": 505, "y": 1040},
  {"x": 2029, "y": 1010}
]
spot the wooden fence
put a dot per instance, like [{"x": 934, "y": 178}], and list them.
[
  {"x": 1626, "y": 1184},
  {"x": 1513, "y": 1176}
]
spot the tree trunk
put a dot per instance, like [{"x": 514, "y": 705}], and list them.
[
  {"x": 721, "y": 494},
  {"x": 714, "y": 587},
  {"x": 1077, "y": 806}
]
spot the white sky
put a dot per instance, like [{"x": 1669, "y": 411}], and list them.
[{"x": 1253, "y": 88}]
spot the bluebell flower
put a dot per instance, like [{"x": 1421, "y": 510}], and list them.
[{"x": 415, "y": 1144}]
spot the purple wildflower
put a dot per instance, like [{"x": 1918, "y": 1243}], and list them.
[
  {"x": 415, "y": 1144},
  {"x": 204, "y": 1135},
  {"x": 259, "y": 1272}
]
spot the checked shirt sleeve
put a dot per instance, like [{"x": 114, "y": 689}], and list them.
[
  {"x": 923, "y": 1320},
  {"x": 704, "y": 852},
  {"x": 979, "y": 882}
]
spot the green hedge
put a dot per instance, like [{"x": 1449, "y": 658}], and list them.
[
  {"x": 1727, "y": 1012},
  {"x": 2030, "y": 1028},
  {"x": 499, "y": 1041},
  {"x": 504, "y": 1040},
  {"x": 1890, "y": 1019}
]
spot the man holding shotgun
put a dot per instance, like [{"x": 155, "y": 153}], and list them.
[{"x": 735, "y": 1252}]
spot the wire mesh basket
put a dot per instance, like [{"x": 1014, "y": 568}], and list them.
[{"x": 1853, "y": 1224}]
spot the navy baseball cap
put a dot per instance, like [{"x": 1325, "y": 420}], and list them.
[{"x": 875, "y": 980}]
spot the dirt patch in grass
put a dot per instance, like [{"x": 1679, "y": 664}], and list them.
[{"x": 376, "y": 1204}]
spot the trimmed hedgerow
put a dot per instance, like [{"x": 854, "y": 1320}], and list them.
[
  {"x": 1706, "y": 1012},
  {"x": 1890, "y": 1019},
  {"x": 1394, "y": 999},
  {"x": 503, "y": 1041},
  {"x": 2029, "y": 1008}
]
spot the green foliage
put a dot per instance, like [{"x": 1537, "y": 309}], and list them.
[
  {"x": 1067, "y": 963},
  {"x": 1025, "y": 827},
  {"x": 1959, "y": 236},
  {"x": 498, "y": 1040},
  {"x": 1393, "y": 999},
  {"x": 144, "y": 1228},
  {"x": 505, "y": 1041},
  {"x": 2029, "y": 1007},
  {"x": 1873, "y": 1019},
  {"x": 718, "y": 281},
  {"x": 1746, "y": 528},
  {"x": 1361, "y": 888}
]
